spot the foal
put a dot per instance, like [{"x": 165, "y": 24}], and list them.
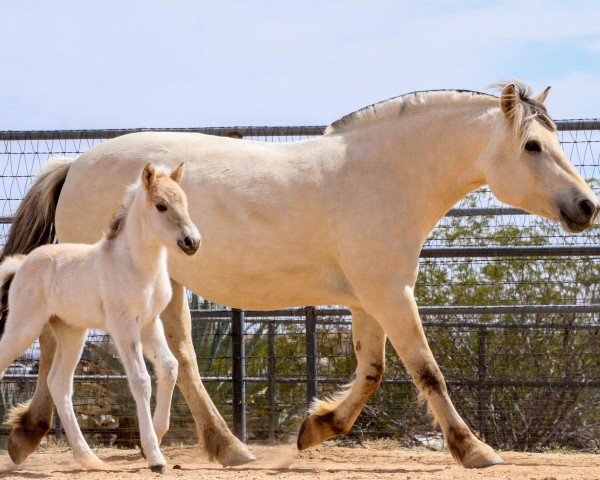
[{"x": 121, "y": 285}]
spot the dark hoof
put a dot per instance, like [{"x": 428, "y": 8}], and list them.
[
  {"x": 158, "y": 468},
  {"x": 22, "y": 443}
]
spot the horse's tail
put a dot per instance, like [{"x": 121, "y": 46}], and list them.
[
  {"x": 8, "y": 269},
  {"x": 33, "y": 223}
]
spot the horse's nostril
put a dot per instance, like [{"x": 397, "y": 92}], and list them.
[
  {"x": 188, "y": 242},
  {"x": 587, "y": 208}
]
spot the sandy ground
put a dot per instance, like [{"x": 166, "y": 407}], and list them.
[{"x": 322, "y": 463}]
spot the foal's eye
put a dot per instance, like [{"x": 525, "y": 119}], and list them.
[
  {"x": 533, "y": 146},
  {"x": 161, "y": 208}
]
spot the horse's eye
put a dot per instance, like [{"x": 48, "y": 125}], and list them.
[
  {"x": 161, "y": 208},
  {"x": 533, "y": 146}
]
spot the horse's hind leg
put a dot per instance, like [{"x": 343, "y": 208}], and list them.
[
  {"x": 336, "y": 415},
  {"x": 212, "y": 430},
  {"x": 70, "y": 343},
  {"x": 32, "y": 421}
]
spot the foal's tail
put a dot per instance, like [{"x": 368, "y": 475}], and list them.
[
  {"x": 8, "y": 269},
  {"x": 33, "y": 224}
]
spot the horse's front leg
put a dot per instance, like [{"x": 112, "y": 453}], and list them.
[
  {"x": 336, "y": 415},
  {"x": 156, "y": 350},
  {"x": 127, "y": 337},
  {"x": 396, "y": 311},
  {"x": 212, "y": 430}
]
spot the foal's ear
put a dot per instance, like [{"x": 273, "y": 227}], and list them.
[
  {"x": 148, "y": 176},
  {"x": 177, "y": 174},
  {"x": 544, "y": 95},
  {"x": 509, "y": 100}
]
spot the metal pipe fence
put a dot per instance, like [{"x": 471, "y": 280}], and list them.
[{"x": 510, "y": 305}]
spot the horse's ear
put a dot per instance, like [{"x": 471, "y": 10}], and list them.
[
  {"x": 509, "y": 100},
  {"x": 544, "y": 95},
  {"x": 177, "y": 174},
  {"x": 148, "y": 176}
]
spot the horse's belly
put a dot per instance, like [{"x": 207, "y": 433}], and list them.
[{"x": 270, "y": 285}]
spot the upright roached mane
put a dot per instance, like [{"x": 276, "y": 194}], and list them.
[{"x": 523, "y": 113}]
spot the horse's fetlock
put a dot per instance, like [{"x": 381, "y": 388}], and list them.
[{"x": 335, "y": 425}]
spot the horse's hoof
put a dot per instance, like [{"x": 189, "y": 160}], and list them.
[
  {"x": 236, "y": 455},
  {"x": 479, "y": 459},
  {"x": 311, "y": 434},
  {"x": 158, "y": 468},
  {"x": 22, "y": 443}
]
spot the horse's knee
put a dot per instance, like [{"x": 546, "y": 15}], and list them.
[{"x": 430, "y": 380}]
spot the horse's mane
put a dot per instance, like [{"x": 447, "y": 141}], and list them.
[{"x": 525, "y": 111}]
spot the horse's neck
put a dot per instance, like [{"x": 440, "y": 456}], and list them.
[
  {"x": 431, "y": 158},
  {"x": 139, "y": 245}
]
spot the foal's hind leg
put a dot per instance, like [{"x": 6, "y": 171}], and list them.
[
  {"x": 336, "y": 415},
  {"x": 33, "y": 420},
  {"x": 70, "y": 343},
  {"x": 212, "y": 430},
  {"x": 157, "y": 352}
]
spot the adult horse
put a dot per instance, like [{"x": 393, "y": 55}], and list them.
[{"x": 338, "y": 219}]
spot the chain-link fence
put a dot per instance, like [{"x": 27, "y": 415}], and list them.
[{"x": 510, "y": 305}]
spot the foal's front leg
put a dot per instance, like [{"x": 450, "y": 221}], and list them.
[
  {"x": 397, "y": 313},
  {"x": 156, "y": 350},
  {"x": 127, "y": 337}
]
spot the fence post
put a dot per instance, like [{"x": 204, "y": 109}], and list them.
[
  {"x": 238, "y": 354},
  {"x": 481, "y": 383},
  {"x": 311, "y": 354},
  {"x": 272, "y": 386}
]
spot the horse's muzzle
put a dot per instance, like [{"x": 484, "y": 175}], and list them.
[{"x": 580, "y": 215}]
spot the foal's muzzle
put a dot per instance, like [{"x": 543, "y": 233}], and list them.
[{"x": 190, "y": 243}]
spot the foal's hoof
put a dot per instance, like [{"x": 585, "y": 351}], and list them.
[
  {"x": 158, "y": 468},
  {"x": 235, "y": 455},
  {"x": 22, "y": 443},
  {"x": 480, "y": 459}
]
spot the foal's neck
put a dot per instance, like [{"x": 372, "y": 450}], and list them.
[{"x": 138, "y": 242}]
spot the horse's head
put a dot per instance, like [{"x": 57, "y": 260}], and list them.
[
  {"x": 527, "y": 168},
  {"x": 168, "y": 216}
]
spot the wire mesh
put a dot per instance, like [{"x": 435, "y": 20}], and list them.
[{"x": 525, "y": 378}]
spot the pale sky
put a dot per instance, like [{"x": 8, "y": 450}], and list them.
[{"x": 119, "y": 63}]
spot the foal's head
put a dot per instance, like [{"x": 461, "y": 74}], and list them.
[
  {"x": 526, "y": 166},
  {"x": 167, "y": 204}
]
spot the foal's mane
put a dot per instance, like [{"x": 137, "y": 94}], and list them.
[
  {"x": 118, "y": 221},
  {"x": 523, "y": 114}
]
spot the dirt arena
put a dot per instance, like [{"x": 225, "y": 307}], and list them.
[{"x": 377, "y": 461}]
